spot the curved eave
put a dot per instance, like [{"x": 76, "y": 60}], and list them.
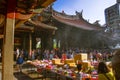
[
  {"x": 79, "y": 23},
  {"x": 25, "y": 28},
  {"x": 22, "y": 16},
  {"x": 42, "y": 25}
]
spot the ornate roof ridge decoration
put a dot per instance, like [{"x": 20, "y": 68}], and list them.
[
  {"x": 42, "y": 25},
  {"x": 71, "y": 17},
  {"x": 74, "y": 20}
]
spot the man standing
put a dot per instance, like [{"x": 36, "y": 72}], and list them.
[{"x": 17, "y": 52}]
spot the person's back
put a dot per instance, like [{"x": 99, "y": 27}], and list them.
[
  {"x": 104, "y": 73},
  {"x": 19, "y": 62},
  {"x": 116, "y": 64},
  {"x": 106, "y": 76}
]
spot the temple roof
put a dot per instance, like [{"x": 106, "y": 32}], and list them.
[
  {"x": 42, "y": 25},
  {"x": 75, "y": 20}
]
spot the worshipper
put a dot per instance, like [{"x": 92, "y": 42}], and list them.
[
  {"x": 64, "y": 57},
  {"x": 79, "y": 73},
  {"x": 17, "y": 52},
  {"x": 116, "y": 64},
  {"x": 56, "y": 56},
  {"x": 33, "y": 54},
  {"x": 46, "y": 54},
  {"x": 51, "y": 55},
  {"x": 79, "y": 67},
  {"x": 19, "y": 62},
  {"x": 104, "y": 73}
]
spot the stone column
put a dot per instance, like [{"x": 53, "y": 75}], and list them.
[
  {"x": 30, "y": 44},
  {"x": 8, "y": 47},
  {"x": 8, "y": 43}
]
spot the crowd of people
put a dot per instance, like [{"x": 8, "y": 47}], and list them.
[
  {"x": 96, "y": 55},
  {"x": 102, "y": 56}
]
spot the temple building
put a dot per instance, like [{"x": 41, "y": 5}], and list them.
[
  {"x": 72, "y": 30},
  {"x": 54, "y": 26}
]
